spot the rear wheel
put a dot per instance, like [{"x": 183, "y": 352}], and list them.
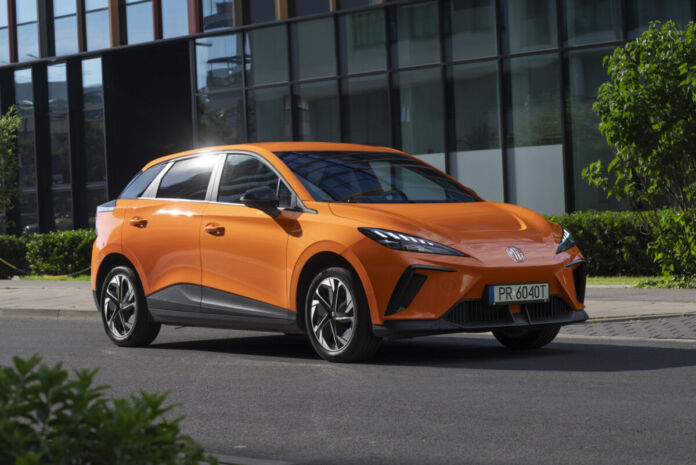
[
  {"x": 525, "y": 338},
  {"x": 338, "y": 319},
  {"x": 124, "y": 310}
]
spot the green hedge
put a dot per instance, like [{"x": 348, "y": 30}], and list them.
[
  {"x": 13, "y": 250},
  {"x": 61, "y": 252},
  {"x": 614, "y": 243}
]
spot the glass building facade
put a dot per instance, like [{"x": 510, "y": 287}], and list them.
[{"x": 498, "y": 93}]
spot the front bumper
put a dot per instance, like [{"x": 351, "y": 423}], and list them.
[{"x": 475, "y": 315}]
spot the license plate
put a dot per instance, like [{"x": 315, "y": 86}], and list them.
[{"x": 518, "y": 293}]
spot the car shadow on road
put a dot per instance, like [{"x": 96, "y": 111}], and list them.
[{"x": 467, "y": 352}]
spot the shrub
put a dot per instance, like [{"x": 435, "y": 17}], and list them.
[
  {"x": 613, "y": 242},
  {"x": 47, "y": 418},
  {"x": 13, "y": 250},
  {"x": 61, "y": 252}
]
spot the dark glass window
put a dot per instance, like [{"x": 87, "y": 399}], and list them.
[
  {"x": 24, "y": 101},
  {"x": 528, "y": 25},
  {"x": 97, "y": 29},
  {"x": 348, "y": 4},
  {"x": 371, "y": 177},
  {"x": 477, "y": 161},
  {"x": 586, "y": 73},
  {"x": 317, "y": 111},
  {"x": 93, "y": 112},
  {"x": 362, "y": 42},
  {"x": 313, "y": 50},
  {"x": 244, "y": 172},
  {"x": 95, "y": 197},
  {"x": 307, "y": 7},
  {"x": 58, "y": 124},
  {"x": 641, "y": 12},
  {"x": 259, "y": 11},
  {"x": 366, "y": 110},
  {"x": 268, "y": 114},
  {"x": 220, "y": 118},
  {"x": 422, "y": 115},
  {"x": 532, "y": 104},
  {"x": 218, "y": 13},
  {"x": 4, "y": 46},
  {"x": 588, "y": 21},
  {"x": 188, "y": 179},
  {"x": 139, "y": 22},
  {"x": 28, "y": 41},
  {"x": 174, "y": 18},
  {"x": 267, "y": 56},
  {"x": 64, "y": 7},
  {"x": 219, "y": 62},
  {"x": 141, "y": 182},
  {"x": 65, "y": 30},
  {"x": 417, "y": 34},
  {"x": 473, "y": 29}
]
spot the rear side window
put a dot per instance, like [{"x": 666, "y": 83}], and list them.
[
  {"x": 188, "y": 179},
  {"x": 140, "y": 182},
  {"x": 244, "y": 172}
]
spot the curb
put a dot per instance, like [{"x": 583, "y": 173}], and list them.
[
  {"x": 234, "y": 460},
  {"x": 94, "y": 315},
  {"x": 51, "y": 314}
]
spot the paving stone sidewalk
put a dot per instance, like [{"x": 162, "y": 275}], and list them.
[{"x": 73, "y": 300}]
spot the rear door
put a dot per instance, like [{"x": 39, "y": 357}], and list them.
[
  {"x": 162, "y": 230},
  {"x": 243, "y": 250}
]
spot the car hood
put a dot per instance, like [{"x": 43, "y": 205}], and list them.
[{"x": 481, "y": 229}]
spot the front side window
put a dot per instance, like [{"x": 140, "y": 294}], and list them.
[
  {"x": 372, "y": 177},
  {"x": 244, "y": 172},
  {"x": 140, "y": 182},
  {"x": 188, "y": 179}
]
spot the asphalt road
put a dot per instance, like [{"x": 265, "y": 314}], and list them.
[{"x": 455, "y": 400}]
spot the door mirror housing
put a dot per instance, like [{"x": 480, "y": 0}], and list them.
[{"x": 262, "y": 198}]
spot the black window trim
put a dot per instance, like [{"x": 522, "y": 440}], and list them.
[{"x": 296, "y": 203}]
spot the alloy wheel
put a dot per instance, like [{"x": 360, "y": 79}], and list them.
[
  {"x": 332, "y": 314},
  {"x": 120, "y": 306}
]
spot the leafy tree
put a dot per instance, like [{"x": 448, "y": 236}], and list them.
[
  {"x": 648, "y": 117},
  {"x": 47, "y": 418},
  {"x": 9, "y": 163}
]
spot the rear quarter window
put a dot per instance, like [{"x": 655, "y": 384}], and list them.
[{"x": 140, "y": 182}]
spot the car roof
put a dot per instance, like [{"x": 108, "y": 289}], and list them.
[{"x": 278, "y": 147}]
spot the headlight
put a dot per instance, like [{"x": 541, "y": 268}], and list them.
[
  {"x": 566, "y": 242},
  {"x": 400, "y": 241}
]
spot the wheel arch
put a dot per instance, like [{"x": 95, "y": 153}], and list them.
[
  {"x": 314, "y": 264},
  {"x": 107, "y": 264}
]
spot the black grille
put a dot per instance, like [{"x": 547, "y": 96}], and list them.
[
  {"x": 580, "y": 277},
  {"x": 476, "y": 312},
  {"x": 553, "y": 310}
]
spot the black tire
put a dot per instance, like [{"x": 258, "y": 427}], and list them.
[
  {"x": 361, "y": 344},
  {"x": 142, "y": 330},
  {"x": 524, "y": 338}
]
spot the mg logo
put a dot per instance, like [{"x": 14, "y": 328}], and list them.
[{"x": 515, "y": 254}]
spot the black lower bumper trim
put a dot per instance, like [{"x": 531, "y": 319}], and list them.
[{"x": 475, "y": 316}]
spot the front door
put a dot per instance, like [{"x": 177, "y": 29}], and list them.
[
  {"x": 162, "y": 234},
  {"x": 243, "y": 250}
]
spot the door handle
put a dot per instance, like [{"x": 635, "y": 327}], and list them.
[
  {"x": 138, "y": 222},
  {"x": 215, "y": 229}
]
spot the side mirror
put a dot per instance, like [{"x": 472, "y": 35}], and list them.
[{"x": 262, "y": 198}]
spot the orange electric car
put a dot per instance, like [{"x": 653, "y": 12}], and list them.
[{"x": 346, "y": 243}]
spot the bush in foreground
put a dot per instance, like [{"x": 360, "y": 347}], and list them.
[{"x": 47, "y": 418}]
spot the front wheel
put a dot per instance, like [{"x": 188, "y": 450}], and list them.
[
  {"x": 525, "y": 338},
  {"x": 124, "y": 310},
  {"x": 338, "y": 319}
]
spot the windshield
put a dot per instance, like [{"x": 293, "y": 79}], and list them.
[{"x": 372, "y": 177}]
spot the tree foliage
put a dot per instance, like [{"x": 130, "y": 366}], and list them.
[
  {"x": 9, "y": 163},
  {"x": 45, "y": 417},
  {"x": 648, "y": 117}
]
